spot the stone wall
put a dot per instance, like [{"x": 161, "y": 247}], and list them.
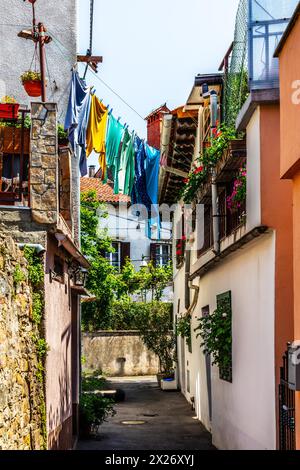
[
  {"x": 21, "y": 393},
  {"x": 44, "y": 164},
  {"x": 118, "y": 353}
]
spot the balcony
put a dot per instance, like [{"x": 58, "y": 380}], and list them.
[
  {"x": 231, "y": 161},
  {"x": 266, "y": 25},
  {"x": 227, "y": 168},
  {"x": 14, "y": 162}
]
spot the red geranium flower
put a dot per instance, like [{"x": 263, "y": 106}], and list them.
[
  {"x": 198, "y": 170},
  {"x": 186, "y": 181}
]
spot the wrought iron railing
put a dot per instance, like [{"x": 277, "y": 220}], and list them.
[{"x": 287, "y": 430}]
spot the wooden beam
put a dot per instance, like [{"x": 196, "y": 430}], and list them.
[
  {"x": 90, "y": 58},
  {"x": 28, "y": 34},
  {"x": 176, "y": 172}
]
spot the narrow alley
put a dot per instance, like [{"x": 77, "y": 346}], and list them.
[{"x": 169, "y": 422}]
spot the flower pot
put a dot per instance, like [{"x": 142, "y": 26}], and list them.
[
  {"x": 9, "y": 110},
  {"x": 159, "y": 377},
  {"x": 33, "y": 88}
]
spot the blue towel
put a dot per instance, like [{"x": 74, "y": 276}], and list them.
[
  {"x": 77, "y": 116},
  {"x": 152, "y": 175}
]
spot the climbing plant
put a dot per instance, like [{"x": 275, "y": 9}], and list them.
[
  {"x": 215, "y": 332},
  {"x": 183, "y": 329},
  {"x": 35, "y": 269},
  {"x": 208, "y": 159}
]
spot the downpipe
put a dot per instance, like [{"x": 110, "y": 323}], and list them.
[
  {"x": 215, "y": 213},
  {"x": 214, "y": 187}
]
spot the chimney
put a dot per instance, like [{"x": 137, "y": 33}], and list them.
[{"x": 92, "y": 171}]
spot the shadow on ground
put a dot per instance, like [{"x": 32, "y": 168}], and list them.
[{"x": 169, "y": 423}]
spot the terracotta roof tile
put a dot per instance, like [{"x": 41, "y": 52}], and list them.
[{"x": 104, "y": 192}]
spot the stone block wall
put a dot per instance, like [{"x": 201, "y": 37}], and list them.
[
  {"x": 21, "y": 393},
  {"x": 118, "y": 354},
  {"x": 44, "y": 198}
]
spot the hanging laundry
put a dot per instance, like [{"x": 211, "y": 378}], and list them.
[
  {"x": 126, "y": 168},
  {"x": 113, "y": 140},
  {"x": 96, "y": 132},
  {"x": 139, "y": 193},
  {"x": 77, "y": 115},
  {"x": 152, "y": 175},
  {"x": 82, "y": 130}
]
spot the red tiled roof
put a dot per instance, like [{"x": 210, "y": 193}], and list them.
[{"x": 104, "y": 192}]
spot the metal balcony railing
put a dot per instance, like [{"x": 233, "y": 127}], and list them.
[{"x": 267, "y": 21}]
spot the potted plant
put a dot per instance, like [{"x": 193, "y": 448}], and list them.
[
  {"x": 32, "y": 83},
  {"x": 9, "y": 108},
  {"x": 62, "y": 135},
  {"x": 94, "y": 409}
]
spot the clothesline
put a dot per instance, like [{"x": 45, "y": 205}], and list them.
[{"x": 125, "y": 159}]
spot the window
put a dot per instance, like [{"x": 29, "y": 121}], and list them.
[
  {"x": 115, "y": 257},
  {"x": 120, "y": 255},
  {"x": 224, "y": 304},
  {"x": 161, "y": 254}
]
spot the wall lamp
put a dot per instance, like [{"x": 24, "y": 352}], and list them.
[{"x": 79, "y": 275}]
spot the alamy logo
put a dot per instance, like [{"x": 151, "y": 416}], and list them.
[{"x": 296, "y": 93}]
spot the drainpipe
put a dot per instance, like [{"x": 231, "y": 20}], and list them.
[
  {"x": 214, "y": 188},
  {"x": 215, "y": 213},
  {"x": 40, "y": 249}
]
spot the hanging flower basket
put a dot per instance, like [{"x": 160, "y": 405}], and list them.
[
  {"x": 32, "y": 83},
  {"x": 33, "y": 88}
]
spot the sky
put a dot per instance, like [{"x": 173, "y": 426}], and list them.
[{"x": 153, "y": 49}]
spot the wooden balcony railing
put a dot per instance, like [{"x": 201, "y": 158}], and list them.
[{"x": 14, "y": 163}]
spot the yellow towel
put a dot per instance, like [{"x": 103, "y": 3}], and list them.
[{"x": 96, "y": 132}]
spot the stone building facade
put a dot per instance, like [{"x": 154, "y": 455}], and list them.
[
  {"x": 48, "y": 224},
  {"x": 21, "y": 392}
]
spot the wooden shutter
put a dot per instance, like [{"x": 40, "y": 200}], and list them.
[
  {"x": 125, "y": 252},
  {"x": 153, "y": 253}
]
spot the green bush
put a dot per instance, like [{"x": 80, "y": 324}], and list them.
[
  {"x": 93, "y": 382},
  {"x": 94, "y": 409}
]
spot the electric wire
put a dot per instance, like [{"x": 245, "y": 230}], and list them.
[{"x": 58, "y": 43}]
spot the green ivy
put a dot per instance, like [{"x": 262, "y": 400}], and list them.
[
  {"x": 41, "y": 347},
  {"x": 216, "y": 335},
  {"x": 183, "y": 329},
  {"x": 36, "y": 277},
  {"x": 35, "y": 266},
  {"x": 37, "y": 307},
  {"x": 18, "y": 275}
]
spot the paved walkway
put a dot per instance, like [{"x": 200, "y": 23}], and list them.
[{"x": 170, "y": 422}]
